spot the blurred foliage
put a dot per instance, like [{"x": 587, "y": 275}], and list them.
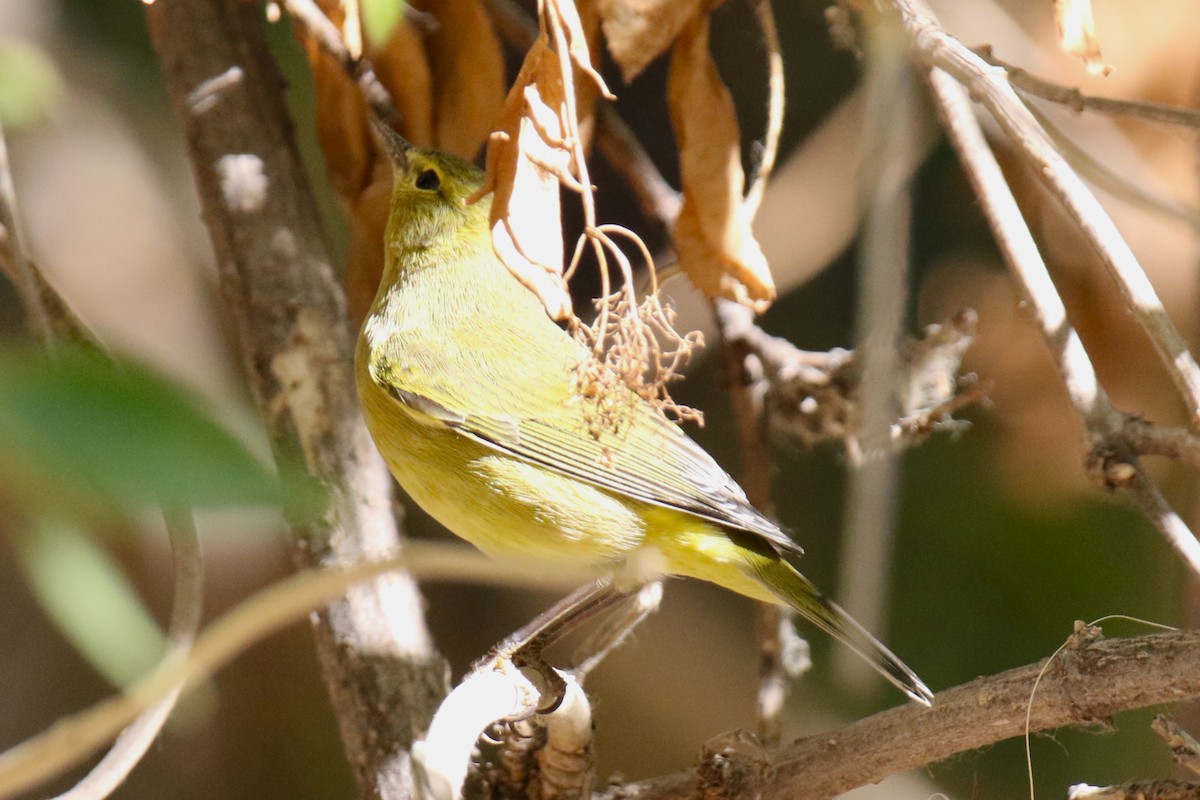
[
  {"x": 380, "y": 18},
  {"x": 84, "y": 591},
  {"x": 30, "y": 86},
  {"x": 116, "y": 436}
]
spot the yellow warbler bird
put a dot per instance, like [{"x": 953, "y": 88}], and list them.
[{"x": 467, "y": 387}]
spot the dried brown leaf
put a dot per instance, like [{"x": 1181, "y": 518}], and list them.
[
  {"x": 1077, "y": 34},
  {"x": 639, "y": 31},
  {"x": 467, "y": 65},
  {"x": 526, "y": 159},
  {"x": 342, "y": 128},
  {"x": 358, "y": 172},
  {"x": 712, "y": 235}
]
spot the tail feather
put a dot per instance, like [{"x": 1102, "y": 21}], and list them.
[{"x": 799, "y": 592}]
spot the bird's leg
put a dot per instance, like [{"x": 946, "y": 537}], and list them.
[{"x": 524, "y": 647}]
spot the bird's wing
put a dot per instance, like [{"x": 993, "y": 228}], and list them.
[{"x": 646, "y": 457}]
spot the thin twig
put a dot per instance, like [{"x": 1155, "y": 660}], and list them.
[
  {"x": 23, "y": 273},
  {"x": 1076, "y": 100},
  {"x": 744, "y": 382},
  {"x": 1086, "y": 685},
  {"x": 1113, "y": 464},
  {"x": 991, "y": 88},
  {"x": 1116, "y": 184},
  {"x": 186, "y": 613},
  {"x": 1185, "y": 750},
  {"x": 868, "y": 529},
  {"x": 776, "y": 94}
]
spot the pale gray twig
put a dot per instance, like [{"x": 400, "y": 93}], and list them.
[
  {"x": 1076, "y": 100},
  {"x": 1112, "y": 462},
  {"x": 990, "y": 86}
]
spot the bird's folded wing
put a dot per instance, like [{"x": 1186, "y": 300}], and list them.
[{"x": 645, "y": 458}]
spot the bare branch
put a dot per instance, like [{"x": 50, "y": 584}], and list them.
[
  {"x": 1111, "y": 461},
  {"x": 1076, "y": 100},
  {"x": 991, "y": 88},
  {"x": 1084, "y": 685}
]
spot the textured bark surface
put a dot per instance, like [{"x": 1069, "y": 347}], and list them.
[{"x": 383, "y": 674}]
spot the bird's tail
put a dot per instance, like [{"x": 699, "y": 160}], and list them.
[{"x": 799, "y": 592}]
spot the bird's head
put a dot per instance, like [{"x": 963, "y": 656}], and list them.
[{"x": 429, "y": 194}]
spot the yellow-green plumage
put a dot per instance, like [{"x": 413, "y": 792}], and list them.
[{"x": 467, "y": 387}]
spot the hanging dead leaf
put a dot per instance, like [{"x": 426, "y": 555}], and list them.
[
  {"x": 342, "y": 128},
  {"x": 1077, "y": 34},
  {"x": 639, "y": 31},
  {"x": 526, "y": 159},
  {"x": 587, "y": 91},
  {"x": 712, "y": 235},
  {"x": 467, "y": 67}
]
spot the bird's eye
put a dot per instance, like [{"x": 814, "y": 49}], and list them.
[{"x": 429, "y": 181}]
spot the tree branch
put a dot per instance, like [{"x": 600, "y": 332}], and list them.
[
  {"x": 1085, "y": 685},
  {"x": 380, "y": 667},
  {"x": 989, "y": 85}
]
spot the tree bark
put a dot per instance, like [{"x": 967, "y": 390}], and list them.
[{"x": 383, "y": 674}]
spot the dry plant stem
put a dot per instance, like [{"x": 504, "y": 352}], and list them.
[
  {"x": 991, "y": 88},
  {"x": 186, "y": 612},
  {"x": 1084, "y": 686},
  {"x": 744, "y": 379},
  {"x": 73, "y": 738},
  {"x": 775, "y": 102},
  {"x": 1104, "y": 425},
  {"x": 1073, "y": 98},
  {"x": 382, "y": 672}
]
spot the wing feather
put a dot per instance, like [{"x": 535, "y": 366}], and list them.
[{"x": 647, "y": 458}]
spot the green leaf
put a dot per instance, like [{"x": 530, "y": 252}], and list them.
[
  {"x": 90, "y": 600},
  {"x": 82, "y": 429}
]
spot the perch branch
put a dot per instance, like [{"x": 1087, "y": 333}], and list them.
[
  {"x": 380, "y": 667},
  {"x": 1085, "y": 685}
]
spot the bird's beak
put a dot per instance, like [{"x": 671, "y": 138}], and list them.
[{"x": 395, "y": 145}]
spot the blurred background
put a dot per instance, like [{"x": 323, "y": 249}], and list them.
[{"x": 1001, "y": 543}]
